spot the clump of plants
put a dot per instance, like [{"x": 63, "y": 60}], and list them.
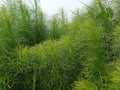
[{"x": 38, "y": 53}]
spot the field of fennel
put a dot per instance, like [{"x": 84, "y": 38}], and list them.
[{"x": 41, "y": 53}]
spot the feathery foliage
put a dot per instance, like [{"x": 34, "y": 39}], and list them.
[{"x": 41, "y": 54}]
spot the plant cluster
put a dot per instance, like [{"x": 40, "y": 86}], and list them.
[{"x": 37, "y": 53}]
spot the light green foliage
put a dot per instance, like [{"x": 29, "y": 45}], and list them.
[
  {"x": 84, "y": 85},
  {"x": 92, "y": 53},
  {"x": 59, "y": 26},
  {"x": 82, "y": 54},
  {"x": 46, "y": 64},
  {"x": 55, "y": 32},
  {"x": 22, "y": 24},
  {"x": 115, "y": 65},
  {"x": 116, "y": 42},
  {"x": 115, "y": 76}
]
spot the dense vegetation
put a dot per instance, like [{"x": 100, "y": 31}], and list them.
[{"x": 41, "y": 53}]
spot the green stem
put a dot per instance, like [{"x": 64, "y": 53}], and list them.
[{"x": 34, "y": 79}]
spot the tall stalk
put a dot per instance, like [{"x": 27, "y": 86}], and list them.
[{"x": 34, "y": 79}]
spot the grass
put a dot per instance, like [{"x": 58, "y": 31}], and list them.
[{"x": 37, "y": 53}]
